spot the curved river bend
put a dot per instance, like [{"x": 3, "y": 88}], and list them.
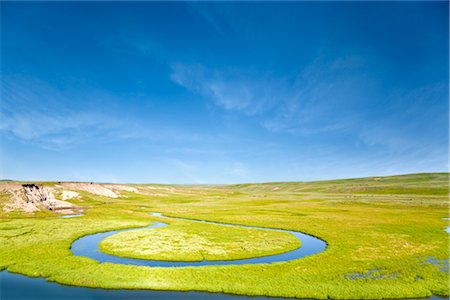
[
  {"x": 89, "y": 246},
  {"x": 15, "y": 286}
]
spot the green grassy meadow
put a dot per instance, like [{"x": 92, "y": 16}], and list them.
[
  {"x": 385, "y": 238},
  {"x": 189, "y": 241}
]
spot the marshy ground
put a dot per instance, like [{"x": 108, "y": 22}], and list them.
[
  {"x": 188, "y": 241},
  {"x": 386, "y": 236}
]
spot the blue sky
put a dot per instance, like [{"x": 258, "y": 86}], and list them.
[{"x": 222, "y": 92}]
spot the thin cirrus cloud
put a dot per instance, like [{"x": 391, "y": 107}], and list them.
[
  {"x": 231, "y": 89},
  {"x": 309, "y": 102},
  {"x": 402, "y": 106},
  {"x": 324, "y": 98},
  {"x": 220, "y": 92},
  {"x": 36, "y": 113}
]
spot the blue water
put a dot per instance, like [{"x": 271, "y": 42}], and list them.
[
  {"x": 19, "y": 287},
  {"x": 447, "y": 229},
  {"x": 89, "y": 246},
  {"x": 72, "y": 216}
]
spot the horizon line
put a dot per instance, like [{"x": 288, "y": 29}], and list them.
[{"x": 215, "y": 184}]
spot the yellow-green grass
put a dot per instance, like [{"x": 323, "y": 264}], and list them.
[
  {"x": 395, "y": 233},
  {"x": 190, "y": 241}
]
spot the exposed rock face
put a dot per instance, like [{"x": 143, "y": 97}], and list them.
[
  {"x": 33, "y": 197},
  {"x": 42, "y": 195},
  {"x": 67, "y": 195},
  {"x": 120, "y": 187},
  {"x": 92, "y": 188},
  {"x": 17, "y": 200},
  {"x": 35, "y": 193}
]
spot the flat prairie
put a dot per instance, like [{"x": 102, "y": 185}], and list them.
[{"x": 385, "y": 236}]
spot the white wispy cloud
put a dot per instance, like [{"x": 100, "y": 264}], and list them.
[
  {"x": 314, "y": 100},
  {"x": 213, "y": 15},
  {"x": 326, "y": 97},
  {"x": 239, "y": 170},
  {"x": 188, "y": 170},
  {"x": 395, "y": 132},
  {"x": 388, "y": 137},
  {"x": 231, "y": 89},
  {"x": 35, "y": 112}
]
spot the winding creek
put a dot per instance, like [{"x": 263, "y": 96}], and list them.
[
  {"x": 89, "y": 246},
  {"x": 15, "y": 286}
]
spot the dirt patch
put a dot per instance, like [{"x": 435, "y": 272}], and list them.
[
  {"x": 42, "y": 195},
  {"x": 121, "y": 187},
  {"x": 67, "y": 195},
  {"x": 93, "y": 188},
  {"x": 17, "y": 200},
  {"x": 33, "y": 197}
]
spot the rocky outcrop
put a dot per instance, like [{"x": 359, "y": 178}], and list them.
[
  {"x": 67, "y": 195},
  {"x": 32, "y": 197},
  {"x": 43, "y": 196},
  {"x": 120, "y": 187},
  {"x": 16, "y": 199},
  {"x": 35, "y": 193},
  {"x": 93, "y": 188}
]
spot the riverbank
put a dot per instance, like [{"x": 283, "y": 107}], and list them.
[
  {"x": 15, "y": 286},
  {"x": 89, "y": 246},
  {"x": 385, "y": 238}
]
